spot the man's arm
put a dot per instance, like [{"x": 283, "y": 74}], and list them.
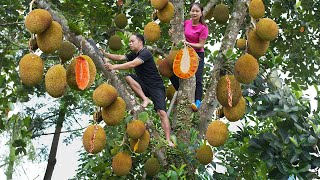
[
  {"x": 128, "y": 65},
  {"x": 114, "y": 57}
]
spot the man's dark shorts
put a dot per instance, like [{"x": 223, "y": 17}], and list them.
[{"x": 156, "y": 93}]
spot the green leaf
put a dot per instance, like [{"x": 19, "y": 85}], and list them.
[
  {"x": 304, "y": 167},
  {"x": 229, "y": 53},
  {"x": 143, "y": 116},
  {"x": 294, "y": 141},
  {"x": 255, "y": 143}
]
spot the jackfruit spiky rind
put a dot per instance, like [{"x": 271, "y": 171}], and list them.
[
  {"x": 152, "y": 167},
  {"x": 66, "y": 51},
  {"x": 256, "y": 9},
  {"x": 121, "y": 21},
  {"x": 56, "y": 81},
  {"x": 170, "y": 92},
  {"x": 246, "y": 69},
  {"x": 115, "y": 112},
  {"x": 38, "y": 20},
  {"x": 221, "y": 13},
  {"x": 267, "y": 29},
  {"x": 241, "y": 44},
  {"x": 104, "y": 95},
  {"x": 115, "y": 43},
  {"x": 217, "y": 133},
  {"x": 204, "y": 154},
  {"x": 159, "y": 4},
  {"x": 143, "y": 142},
  {"x": 50, "y": 40},
  {"x": 166, "y": 14},
  {"x": 31, "y": 69},
  {"x": 121, "y": 164},
  {"x": 222, "y": 91},
  {"x": 71, "y": 74},
  {"x": 235, "y": 113},
  {"x": 135, "y": 129},
  {"x": 99, "y": 141},
  {"x": 257, "y": 47},
  {"x": 165, "y": 69},
  {"x": 152, "y": 32}
]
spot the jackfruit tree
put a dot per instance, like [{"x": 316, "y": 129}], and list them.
[{"x": 255, "y": 116}]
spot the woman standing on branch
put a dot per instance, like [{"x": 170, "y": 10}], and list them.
[{"x": 196, "y": 33}]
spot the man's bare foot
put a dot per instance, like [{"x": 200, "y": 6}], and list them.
[
  {"x": 171, "y": 144},
  {"x": 146, "y": 102}
]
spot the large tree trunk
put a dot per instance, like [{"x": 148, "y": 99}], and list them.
[
  {"x": 210, "y": 101},
  {"x": 54, "y": 146},
  {"x": 12, "y": 155}
]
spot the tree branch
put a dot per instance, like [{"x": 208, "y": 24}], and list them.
[{"x": 45, "y": 134}]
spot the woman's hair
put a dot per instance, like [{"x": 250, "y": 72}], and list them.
[
  {"x": 140, "y": 37},
  {"x": 201, "y": 8}
]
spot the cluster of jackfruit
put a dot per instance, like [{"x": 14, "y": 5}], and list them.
[
  {"x": 49, "y": 33},
  {"x": 165, "y": 10},
  {"x": 139, "y": 136},
  {"x": 220, "y": 13}
]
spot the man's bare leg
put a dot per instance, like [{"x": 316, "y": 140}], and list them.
[
  {"x": 135, "y": 86},
  {"x": 165, "y": 126}
]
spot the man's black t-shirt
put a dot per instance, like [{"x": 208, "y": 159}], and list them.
[{"x": 147, "y": 71}]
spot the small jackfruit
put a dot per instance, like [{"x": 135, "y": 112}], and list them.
[
  {"x": 66, "y": 51},
  {"x": 56, "y": 81},
  {"x": 152, "y": 32},
  {"x": 170, "y": 92},
  {"x": 38, "y": 20},
  {"x": 221, "y": 13},
  {"x": 256, "y": 9},
  {"x": 50, "y": 40},
  {"x": 31, "y": 68},
  {"x": 115, "y": 43},
  {"x": 165, "y": 69},
  {"x": 223, "y": 92},
  {"x": 152, "y": 167},
  {"x": 246, "y": 69},
  {"x": 121, "y": 164},
  {"x": 141, "y": 144},
  {"x": 241, "y": 44},
  {"x": 104, "y": 95},
  {"x": 267, "y": 29},
  {"x": 257, "y": 47},
  {"x": 94, "y": 139},
  {"x": 172, "y": 54},
  {"x": 121, "y": 21},
  {"x": 135, "y": 129},
  {"x": 159, "y": 4},
  {"x": 235, "y": 113},
  {"x": 166, "y": 14},
  {"x": 217, "y": 133},
  {"x": 115, "y": 112},
  {"x": 204, "y": 154}
]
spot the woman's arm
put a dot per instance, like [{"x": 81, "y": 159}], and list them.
[{"x": 198, "y": 45}]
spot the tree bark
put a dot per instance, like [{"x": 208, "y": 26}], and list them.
[
  {"x": 210, "y": 101},
  {"x": 54, "y": 146}
]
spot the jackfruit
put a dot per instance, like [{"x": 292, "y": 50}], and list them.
[
  {"x": 170, "y": 92},
  {"x": 71, "y": 74},
  {"x": 121, "y": 164},
  {"x": 241, "y": 44},
  {"x": 204, "y": 154},
  {"x": 135, "y": 129},
  {"x": 152, "y": 32},
  {"x": 141, "y": 144},
  {"x": 257, "y": 47},
  {"x": 152, "y": 167},
  {"x": 56, "y": 81},
  {"x": 121, "y": 21},
  {"x": 256, "y": 9},
  {"x": 94, "y": 139},
  {"x": 66, "y": 51},
  {"x": 115, "y": 112},
  {"x": 235, "y": 113},
  {"x": 246, "y": 69},
  {"x": 38, "y": 20},
  {"x": 172, "y": 54},
  {"x": 222, "y": 91},
  {"x": 104, "y": 95},
  {"x": 50, "y": 40},
  {"x": 267, "y": 29},
  {"x": 159, "y": 4},
  {"x": 31, "y": 68},
  {"x": 166, "y": 14},
  {"x": 115, "y": 43},
  {"x": 217, "y": 133},
  {"x": 165, "y": 69},
  {"x": 221, "y": 13}
]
